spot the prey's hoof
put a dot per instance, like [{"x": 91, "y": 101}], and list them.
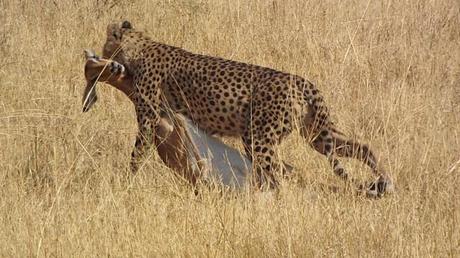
[{"x": 116, "y": 68}]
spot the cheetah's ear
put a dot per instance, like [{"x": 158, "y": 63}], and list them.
[
  {"x": 126, "y": 25},
  {"x": 115, "y": 30}
]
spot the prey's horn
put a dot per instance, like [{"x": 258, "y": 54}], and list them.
[{"x": 89, "y": 95}]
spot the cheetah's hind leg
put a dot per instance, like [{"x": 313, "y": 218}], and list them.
[
  {"x": 334, "y": 144},
  {"x": 353, "y": 149}
]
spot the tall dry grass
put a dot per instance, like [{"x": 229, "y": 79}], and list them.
[{"x": 389, "y": 70}]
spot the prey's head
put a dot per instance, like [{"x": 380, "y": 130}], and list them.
[
  {"x": 104, "y": 70},
  {"x": 98, "y": 69},
  {"x": 91, "y": 75}
]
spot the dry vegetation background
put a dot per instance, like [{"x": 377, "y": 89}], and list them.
[{"x": 389, "y": 70}]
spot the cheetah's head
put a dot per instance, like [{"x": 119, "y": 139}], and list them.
[{"x": 113, "y": 46}]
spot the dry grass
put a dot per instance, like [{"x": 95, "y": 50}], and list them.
[{"x": 390, "y": 71}]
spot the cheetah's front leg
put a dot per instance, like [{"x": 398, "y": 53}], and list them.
[
  {"x": 147, "y": 118},
  {"x": 143, "y": 142}
]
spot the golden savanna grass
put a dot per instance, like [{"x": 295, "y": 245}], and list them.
[{"x": 389, "y": 70}]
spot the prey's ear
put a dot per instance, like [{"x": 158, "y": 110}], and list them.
[
  {"x": 93, "y": 62},
  {"x": 89, "y": 54}
]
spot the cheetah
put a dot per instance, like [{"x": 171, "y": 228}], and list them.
[
  {"x": 187, "y": 150},
  {"x": 225, "y": 97}
]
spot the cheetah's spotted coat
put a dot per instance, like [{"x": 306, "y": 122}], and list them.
[{"x": 231, "y": 98}]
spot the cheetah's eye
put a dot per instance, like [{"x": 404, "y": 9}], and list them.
[{"x": 116, "y": 35}]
